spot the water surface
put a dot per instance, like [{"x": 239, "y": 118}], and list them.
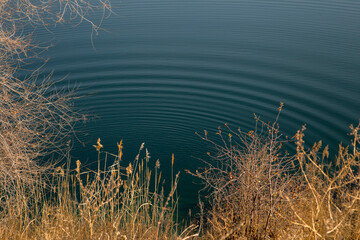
[{"x": 164, "y": 69}]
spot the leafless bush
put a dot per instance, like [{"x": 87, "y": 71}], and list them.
[
  {"x": 246, "y": 178},
  {"x": 257, "y": 194},
  {"x": 326, "y": 205},
  {"x": 35, "y": 117}
]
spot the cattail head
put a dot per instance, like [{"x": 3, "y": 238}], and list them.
[
  {"x": 157, "y": 165},
  {"x": 60, "y": 171},
  {"x": 147, "y": 155},
  {"x": 129, "y": 169},
  {"x": 120, "y": 147},
  {"x": 113, "y": 172},
  {"x": 325, "y": 152},
  {"x": 98, "y": 146},
  {"x": 78, "y": 163},
  {"x": 142, "y": 146}
]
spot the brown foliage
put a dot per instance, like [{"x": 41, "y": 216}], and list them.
[
  {"x": 257, "y": 194},
  {"x": 327, "y": 207},
  {"x": 247, "y": 178},
  {"x": 35, "y": 117}
]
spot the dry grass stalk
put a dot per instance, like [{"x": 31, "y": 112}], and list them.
[{"x": 124, "y": 203}]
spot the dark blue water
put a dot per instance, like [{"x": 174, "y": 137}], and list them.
[{"x": 164, "y": 69}]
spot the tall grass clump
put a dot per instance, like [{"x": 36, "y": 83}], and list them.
[
  {"x": 114, "y": 202},
  {"x": 256, "y": 190},
  {"x": 36, "y": 119}
]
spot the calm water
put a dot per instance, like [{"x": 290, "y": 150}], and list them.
[{"x": 167, "y": 68}]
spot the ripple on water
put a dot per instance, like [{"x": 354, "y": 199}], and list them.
[{"x": 168, "y": 69}]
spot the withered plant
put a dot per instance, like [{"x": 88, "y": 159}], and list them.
[
  {"x": 35, "y": 117},
  {"x": 254, "y": 191},
  {"x": 246, "y": 178},
  {"x": 326, "y": 203},
  {"x": 114, "y": 202}
]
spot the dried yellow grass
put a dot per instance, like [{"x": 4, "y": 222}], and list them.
[{"x": 119, "y": 204}]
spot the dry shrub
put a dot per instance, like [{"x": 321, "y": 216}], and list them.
[
  {"x": 36, "y": 119},
  {"x": 257, "y": 194},
  {"x": 246, "y": 179},
  {"x": 112, "y": 203},
  {"x": 326, "y": 204}
]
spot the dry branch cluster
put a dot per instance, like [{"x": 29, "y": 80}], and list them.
[
  {"x": 327, "y": 204},
  {"x": 257, "y": 191},
  {"x": 35, "y": 117},
  {"x": 246, "y": 179}
]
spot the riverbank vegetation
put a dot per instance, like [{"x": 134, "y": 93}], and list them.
[
  {"x": 115, "y": 202},
  {"x": 254, "y": 189},
  {"x": 258, "y": 191},
  {"x": 36, "y": 118}
]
